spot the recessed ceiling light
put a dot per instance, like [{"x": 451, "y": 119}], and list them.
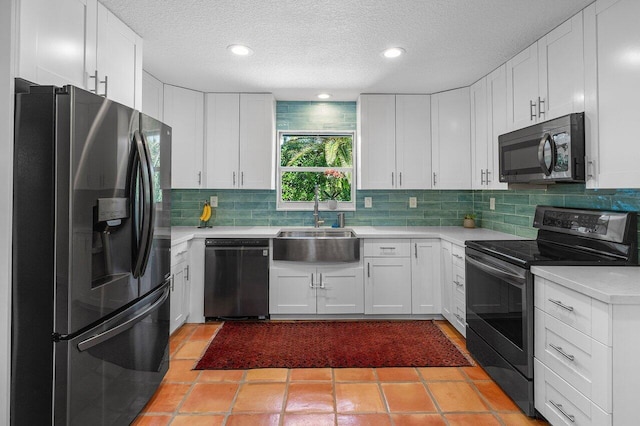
[
  {"x": 324, "y": 95},
  {"x": 393, "y": 52},
  {"x": 240, "y": 50}
]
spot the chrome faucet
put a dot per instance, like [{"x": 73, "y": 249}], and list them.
[{"x": 316, "y": 216}]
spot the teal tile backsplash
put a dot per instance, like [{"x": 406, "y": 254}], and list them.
[{"x": 513, "y": 212}]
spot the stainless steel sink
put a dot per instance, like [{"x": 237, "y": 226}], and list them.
[{"x": 317, "y": 245}]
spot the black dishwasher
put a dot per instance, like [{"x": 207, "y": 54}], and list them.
[{"x": 236, "y": 276}]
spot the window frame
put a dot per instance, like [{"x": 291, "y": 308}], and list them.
[{"x": 308, "y": 205}]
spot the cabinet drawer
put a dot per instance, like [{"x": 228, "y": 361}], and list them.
[
  {"x": 560, "y": 403},
  {"x": 590, "y": 316},
  {"x": 387, "y": 248},
  {"x": 457, "y": 252},
  {"x": 179, "y": 253},
  {"x": 580, "y": 360}
]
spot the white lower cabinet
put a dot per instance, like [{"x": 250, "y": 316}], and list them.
[
  {"x": 425, "y": 277},
  {"x": 387, "y": 287},
  {"x": 304, "y": 288},
  {"x": 453, "y": 285},
  {"x": 180, "y": 288},
  {"x": 585, "y": 353}
]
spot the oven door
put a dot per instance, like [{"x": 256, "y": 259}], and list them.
[{"x": 500, "y": 307}]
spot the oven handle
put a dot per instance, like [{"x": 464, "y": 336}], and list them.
[{"x": 501, "y": 273}]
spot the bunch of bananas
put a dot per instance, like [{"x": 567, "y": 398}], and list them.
[{"x": 206, "y": 212}]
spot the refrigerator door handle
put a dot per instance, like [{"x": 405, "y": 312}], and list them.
[
  {"x": 120, "y": 328},
  {"x": 143, "y": 242},
  {"x": 150, "y": 211}
]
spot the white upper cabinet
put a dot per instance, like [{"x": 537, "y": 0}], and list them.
[
  {"x": 240, "y": 143},
  {"x": 184, "y": 112},
  {"x": 376, "y": 140},
  {"x": 257, "y": 141},
  {"x": 451, "y": 139},
  {"x": 612, "y": 83},
  {"x": 395, "y": 142},
  {"x": 479, "y": 134},
  {"x": 53, "y": 38},
  {"x": 152, "y": 96},
  {"x": 118, "y": 60},
  {"x": 413, "y": 142},
  {"x": 496, "y": 125},
  {"x": 75, "y": 41},
  {"x": 546, "y": 80}
]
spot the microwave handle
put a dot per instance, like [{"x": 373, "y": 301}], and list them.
[{"x": 547, "y": 169}]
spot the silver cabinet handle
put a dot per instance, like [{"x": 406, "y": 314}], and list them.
[
  {"x": 563, "y": 353},
  {"x": 96, "y": 81},
  {"x": 458, "y": 256},
  {"x": 392, "y": 179},
  {"x": 321, "y": 282},
  {"x": 458, "y": 283},
  {"x": 487, "y": 178},
  {"x": 459, "y": 318},
  {"x": 571, "y": 418},
  {"x": 241, "y": 178},
  {"x": 481, "y": 176},
  {"x": 540, "y": 111},
  {"x": 368, "y": 270},
  {"x": 387, "y": 248},
  {"x": 416, "y": 249},
  {"x": 400, "y": 178},
  {"x": 106, "y": 85},
  {"x": 199, "y": 178},
  {"x": 562, "y": 305},
  {"x": 186, "y": 277},
  {"x": 591, "y": 167},
  {"x": 234, "y": 178},
  {"x": 434, "y": 178},
  {"x": 532, "y": 113}
]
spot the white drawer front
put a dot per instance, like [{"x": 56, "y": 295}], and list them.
[
  {"x": 179, "y": 252},
  {"x": 387, "y": 248},
  {"x": 570, "y": 307},
  {"x": 580, "y": 360},
  {"x": 561, "y": 404},
  {"x": 457, "y": 252}
]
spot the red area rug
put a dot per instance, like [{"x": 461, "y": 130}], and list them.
[{"x": 337, "y": 344}]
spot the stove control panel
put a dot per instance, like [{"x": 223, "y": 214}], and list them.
[{"x": 596, "y": 224}]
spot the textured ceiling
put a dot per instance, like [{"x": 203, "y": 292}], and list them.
[{"x": 304, "y": 47}]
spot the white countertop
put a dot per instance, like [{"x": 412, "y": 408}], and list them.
[
  {"x": 455, "y": 234},
  {"x": 609, "y": 284}
]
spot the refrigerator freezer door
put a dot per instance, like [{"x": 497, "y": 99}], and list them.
[
  {"x": 112, "y": 370},
  {"x": 157, "y": 138}
]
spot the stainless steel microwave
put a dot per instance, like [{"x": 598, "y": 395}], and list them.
[{"x": 547, "y": 152}]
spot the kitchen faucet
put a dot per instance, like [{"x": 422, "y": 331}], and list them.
[{"x": 316, "y": 216}]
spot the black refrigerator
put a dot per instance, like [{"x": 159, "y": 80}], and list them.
[{"x": 91, "y": 258}]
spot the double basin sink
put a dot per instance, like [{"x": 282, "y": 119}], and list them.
[{"x": 317, "y": 245}]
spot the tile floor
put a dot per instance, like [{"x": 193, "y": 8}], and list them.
[{"x": 324, "y": 396}]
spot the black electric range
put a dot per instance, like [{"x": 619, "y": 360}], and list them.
[{"x": 500, "y": 286}]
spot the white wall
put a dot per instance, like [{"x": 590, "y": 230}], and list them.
[{"x": 7, "y": 8}]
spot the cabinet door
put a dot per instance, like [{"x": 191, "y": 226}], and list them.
[
  {"x": 496, "y": 124},
  {"x": 54, "y": 37},
  {"x": 376, "y": 137},
  {"x": 447, "y": 280},
  {"x": 119, "y": 58},
  {"x": 612, "y": 43},
  {"x": 561, "y": 70},
  {"x": 451, "y": 139},
  {"x": 413, "y": 142},
  {"x": 479, "y": 134},
  {"x": 152, "y": 96},
  {"x": 183, "y": 111},
  {"x": 341, "y": 290},
  {"x": 522, "y": 88},
  {"x": 387, "y": 286},
  {"x": 257, "y": 141},
  {"x": 292, "y": 290},
  {"x": 223, "y": 140},
  {"x": 425, "y": 277},
  {"x": 177, "y": 296}
]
